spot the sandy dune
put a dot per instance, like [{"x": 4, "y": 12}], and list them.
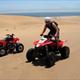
[{"x": 14, "y": 66}]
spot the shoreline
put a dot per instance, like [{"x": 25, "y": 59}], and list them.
[
  {"x": 35, "y": 16},
  {"x": 43, "y": 14}
]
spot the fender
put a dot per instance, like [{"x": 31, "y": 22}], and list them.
[
  {"x": 15, "y": 40},
  {"x": 36, "y": 42},
  {"x": 46, "y": 43},
  {"x": 60, "y": 43},
  {"x": 2, "y": 43}
]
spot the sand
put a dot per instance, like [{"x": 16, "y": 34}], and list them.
[{"x": 28, "y": 29}]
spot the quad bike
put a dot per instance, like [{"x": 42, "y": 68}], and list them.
[
  {"x": 46, "y": 50},
  {"x": 10, "y": 45}
]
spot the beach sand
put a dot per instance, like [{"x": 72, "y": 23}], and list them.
[{"x": 28, "y": 29}]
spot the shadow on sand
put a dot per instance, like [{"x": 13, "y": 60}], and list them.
[{"x": 42, "y": 63}]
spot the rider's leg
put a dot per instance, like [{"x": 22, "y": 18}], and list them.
[{"x": 49, "y": 34}]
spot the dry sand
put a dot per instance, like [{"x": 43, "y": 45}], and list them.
[{"x": 14, "y": 66}]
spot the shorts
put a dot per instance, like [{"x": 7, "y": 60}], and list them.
[{"x": 51, "y": 33}]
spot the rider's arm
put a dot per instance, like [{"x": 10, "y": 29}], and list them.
[
  {"x": 44, "y": 30},
  {"x": 55, "y": 23}
]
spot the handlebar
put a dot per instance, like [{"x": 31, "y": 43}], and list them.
[{"x": 11, "y": 35}]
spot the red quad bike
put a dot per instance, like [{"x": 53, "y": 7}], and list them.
[
  {"x": 46, "y": 50},
  {"x": 10, "y": 45}
]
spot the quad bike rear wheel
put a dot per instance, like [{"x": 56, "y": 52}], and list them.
[
  {"x": 50, "y": 59},
  {"x": 65, "y": 51},
  {"x": 29, "y": 54},
  {"x": 19, "y": 47},
  {"x": 3, "y": 52}
]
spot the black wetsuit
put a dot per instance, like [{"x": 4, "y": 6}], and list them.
[{"x": 52, "y": 29}]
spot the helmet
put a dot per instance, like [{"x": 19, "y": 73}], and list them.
[{"x": 47, "y": 18}]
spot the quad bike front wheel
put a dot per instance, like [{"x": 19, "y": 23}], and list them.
[
  {"x": 3, "y": 52},
  {"x": 29, "y": 55},
  {"x": 65, "y": 51},
  {"x": 50, "y": 59},
  {"x": 19, "y": 47}
]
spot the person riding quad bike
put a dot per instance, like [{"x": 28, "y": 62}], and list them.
[
  {"x": 9, "y": 40},
  {"x": 9, "y": 37},
  {"x": 52, "y": 26},
  {"x": 49, "y": 47}
]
